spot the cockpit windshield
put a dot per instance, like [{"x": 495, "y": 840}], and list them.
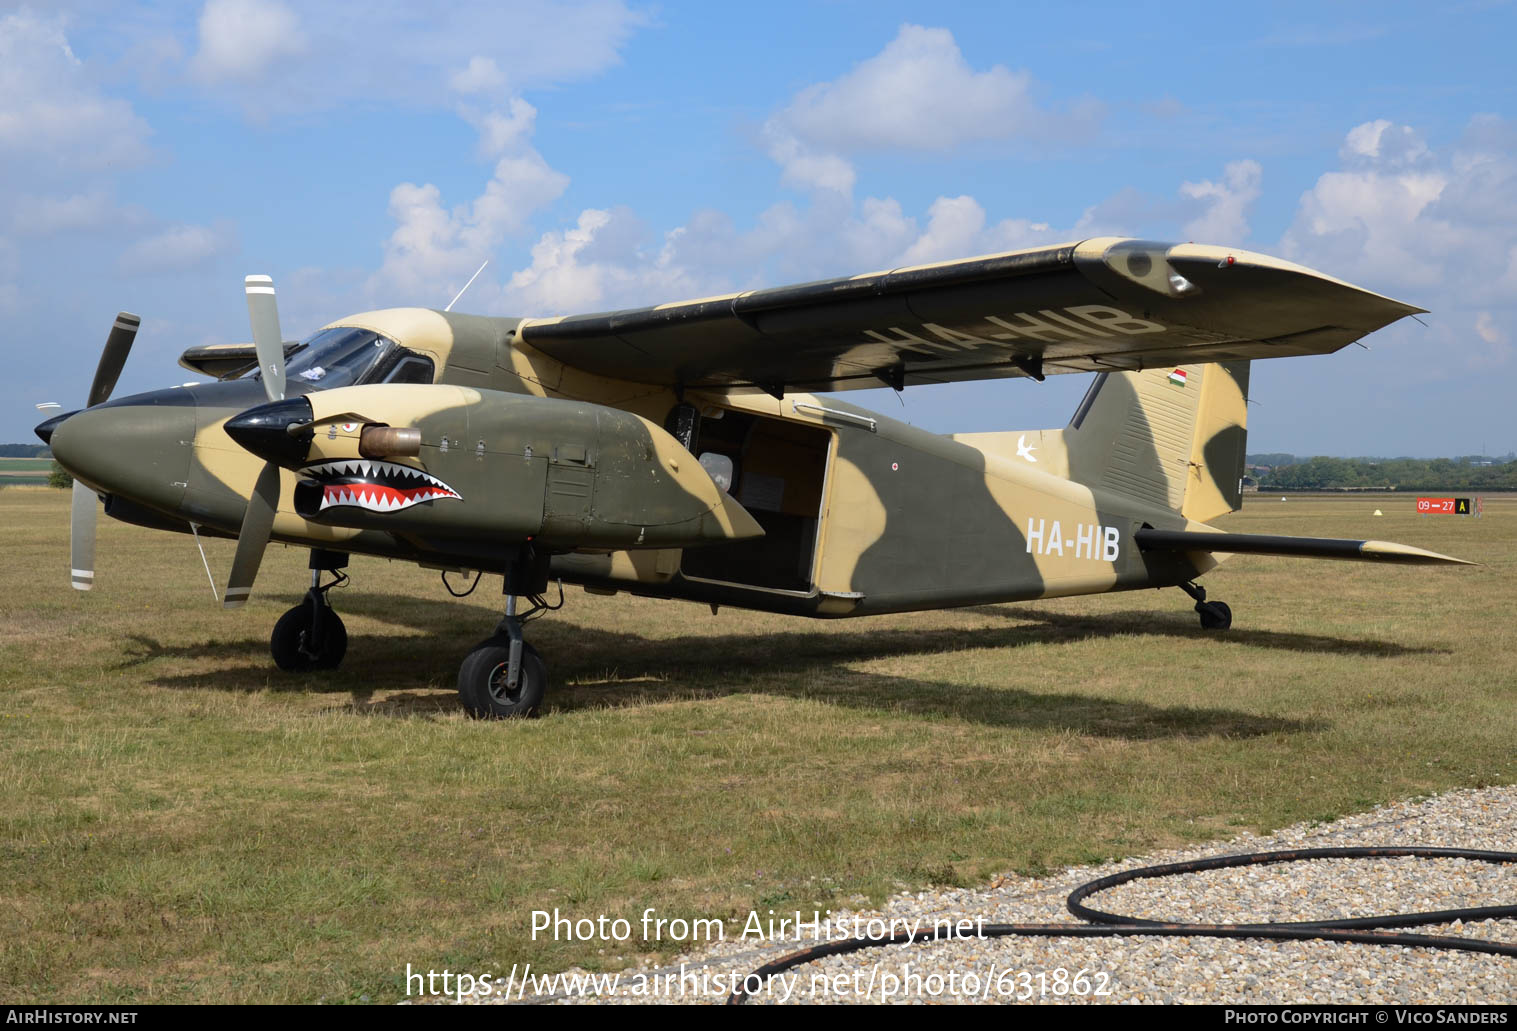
[{"x": 345, "y": 356}]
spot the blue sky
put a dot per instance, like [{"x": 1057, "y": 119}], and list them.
[{"x": 603, "y": 154}]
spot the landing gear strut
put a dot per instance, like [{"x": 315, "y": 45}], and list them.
[
  {"x": 1215, "y": 615},
  {"x": 504, "y": 676},
  {"x": 311, "y": 636}
]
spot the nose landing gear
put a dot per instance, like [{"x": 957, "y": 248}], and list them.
[
  {"x": 311, "y": 635},
  {"x": 504, "y": 676}
]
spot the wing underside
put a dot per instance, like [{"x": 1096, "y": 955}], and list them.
[{"x": 1101, "y": 305}]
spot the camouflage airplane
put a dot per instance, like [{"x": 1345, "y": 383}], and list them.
[{"x": 679, "y": 451}]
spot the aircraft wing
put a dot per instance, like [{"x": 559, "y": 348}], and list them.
[
  {"x": 227, "y": 361},
  {"x": 1302, "y": 547},
  {"x": 1100, "y": 305}
]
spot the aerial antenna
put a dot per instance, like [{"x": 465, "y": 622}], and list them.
[{"x": 467, "y": 285}]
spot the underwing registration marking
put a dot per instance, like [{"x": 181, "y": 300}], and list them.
[{"x": 1084, "y": 322}]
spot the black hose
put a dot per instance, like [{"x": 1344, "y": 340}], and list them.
[{"x": 1112, "y": 925}]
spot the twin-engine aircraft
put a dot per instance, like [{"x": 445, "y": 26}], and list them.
[{"x": 680, "y": 451}]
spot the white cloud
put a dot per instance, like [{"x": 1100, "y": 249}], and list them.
[
  {"x": 1498, "y": 343},
  {"x": 523, "y": 183},
  {"x": 80, "y": 212},
  {"x": 603, "y": 263},
  {"x": 1485, "y": 328},
  {"x": 243, "y": 40},
  {"x": 918, "y": 94},
  {"x": 52, "y": 113},
  {"x": 481, "y": 75},
  {"x": 1225, "y": 220},
  {"x": 179, "y": 247},
  {"x": 1376, "y": 220},
  {"x": 954, "y": 228},
  {"x": 501, "y": 131},
  {"x": 1381, "y": 142},
  {"x": 557, "y": 281},
  {"x": 272, "y": 58},
  {"x": 433, "y": 248},
  {"x": 806, "y": 169},
  {"x": 1437, "y": 227}
]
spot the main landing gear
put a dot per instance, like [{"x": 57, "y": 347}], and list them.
[
  {"x": 1215, "y": 615},
  {"x": 311, "y": 635},
  {"x": 504, "y": 676}
]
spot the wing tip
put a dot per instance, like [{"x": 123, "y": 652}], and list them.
[{"x": 1407, "y": 553}]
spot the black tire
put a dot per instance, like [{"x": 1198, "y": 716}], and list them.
[
  {"x": 1215, "y": 615},
  {"x": 288, "y": 641},
  {"x": 482, "y": 681}
]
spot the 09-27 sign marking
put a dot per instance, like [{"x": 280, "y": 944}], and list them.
[{"x": 1443, "y": 506}]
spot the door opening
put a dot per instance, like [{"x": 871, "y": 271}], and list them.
[{"x": 778, "y": 472}]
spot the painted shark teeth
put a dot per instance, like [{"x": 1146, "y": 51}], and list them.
[{"x": 376, "y": 486}]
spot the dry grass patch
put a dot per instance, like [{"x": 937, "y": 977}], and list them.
[{"x": 182, "y": 822}]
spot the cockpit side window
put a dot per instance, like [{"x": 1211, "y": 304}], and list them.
[{"x": 412, "y": 368}]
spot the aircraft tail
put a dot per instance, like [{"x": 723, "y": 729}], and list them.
[
  {"x": 1172, "y": 437},
  {"x": 1169, "y": 436}
]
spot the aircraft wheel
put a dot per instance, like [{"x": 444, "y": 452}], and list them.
[
  {"x": 1215, "y": 615},
  {"x": 482, "y": 681},
  {"x": 288, "y": 641}
]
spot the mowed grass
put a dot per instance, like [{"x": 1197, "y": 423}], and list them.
[
  {"x": 24, "y": 471},
  {"x": 183, "y": 823}
]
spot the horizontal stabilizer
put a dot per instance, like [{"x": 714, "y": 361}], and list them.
[{"x": 1299, "y": 547}]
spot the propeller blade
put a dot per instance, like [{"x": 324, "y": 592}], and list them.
[
  {"x": 117, "y": 346},
  {"x": 82, "y": 537},
  {"x": 263, "y": 312},
  {"x": 257, "y": 524},
  {"x": 83, "y": 513}
]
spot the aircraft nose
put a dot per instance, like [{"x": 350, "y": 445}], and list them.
[
  {"x": 138, "y": 447},
  {"x": 45, "y": 429}
]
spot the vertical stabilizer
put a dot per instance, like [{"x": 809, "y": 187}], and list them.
[{"x": 1169, "y": 436}]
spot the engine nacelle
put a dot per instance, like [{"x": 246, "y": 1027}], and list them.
[{"x": 501, "y": 467}]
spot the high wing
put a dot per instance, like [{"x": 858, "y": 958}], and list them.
[{"x": 1099, "y": 305}]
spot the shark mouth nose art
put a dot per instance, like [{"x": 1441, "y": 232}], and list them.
[{"x": 375, "y": 486}]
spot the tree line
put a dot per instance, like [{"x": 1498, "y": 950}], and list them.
[{"x": 1403, "y": 474}]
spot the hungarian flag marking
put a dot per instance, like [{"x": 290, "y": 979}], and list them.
[{"x": 1177, "y": 377}]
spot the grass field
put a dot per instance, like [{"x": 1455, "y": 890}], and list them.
[
  {"x": 17, "y": 472},
  {"x": 183, "y": 823}
]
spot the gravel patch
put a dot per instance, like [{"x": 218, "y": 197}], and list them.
[{"x": 1160, "y": 970}]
